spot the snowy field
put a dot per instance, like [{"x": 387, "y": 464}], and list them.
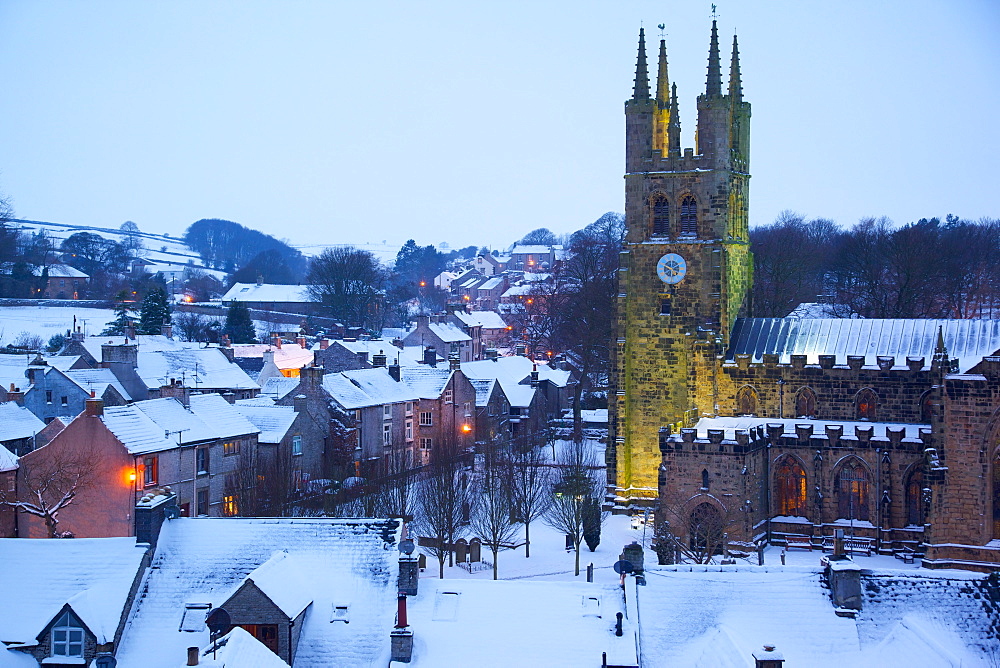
[{"x": 45, "y": 321}]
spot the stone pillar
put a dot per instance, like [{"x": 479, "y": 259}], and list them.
[
  {"x": 402, "y": 645},
  {"x": 845, "y": 583},
  {"x": 768, "y": 657}
]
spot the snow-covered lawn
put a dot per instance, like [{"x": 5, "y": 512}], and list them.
[{"x": 45, "y": 321}]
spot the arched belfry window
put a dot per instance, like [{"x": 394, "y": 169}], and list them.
[
  {"x": 746, "y": 401},
  {"x": 704, "y": 479},
  {"x": 790, "y": 487},
  {"x": 689, "y": 216},
  {"x": 853, "y": 491},
  {"x": 866, "y": 405},
  {"x": 661, "y": 216},
  {"x": 805, "y": 403}
]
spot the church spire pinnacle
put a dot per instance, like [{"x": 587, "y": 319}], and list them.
[
  {"x": 674, "y": 129},
  {"x": 714, "y": 85},
  {"x": 735, "y": 80},
  {"x": 662, "y": 81},
  {"x": 641, "y": 89}
]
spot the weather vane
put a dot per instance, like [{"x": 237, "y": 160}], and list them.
[
  {"x": 715, "y": 14},
  {"x": 661, "y": 26}
]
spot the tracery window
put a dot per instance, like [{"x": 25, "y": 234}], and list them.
[
  {"x": 746, "y": 401},
  {"x": 866, "y": 405},
  {"x": 805, "y": 403},
  {"x": 915, "y": 498},
  {"x": 689, "y": 216},
  {"x": 853, "y": 491},
  {"x": 790, "y": 487}
]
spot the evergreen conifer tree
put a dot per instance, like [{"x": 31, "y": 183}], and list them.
[
  {"x": 123, "y": 316},
  {"x": 592, "y": 522},
  {"x": 239, "y": 326},
  {"x": 153, "y": 312}
]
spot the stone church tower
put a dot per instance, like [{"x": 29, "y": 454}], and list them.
[{"x": 686, "y": 267}]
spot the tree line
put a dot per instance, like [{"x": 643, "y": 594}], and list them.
[{"x": 926, "y": 269}]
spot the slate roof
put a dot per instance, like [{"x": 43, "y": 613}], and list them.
[
  {"x": 486, "y": 319},
  {"x": 225, "y": 418},
  {"x": 484, "y": 388},
  {"x": 427, "y": 381},
  {"x": 94, "y": 575},
  {"x": 8, "y": 461},
  {"x": 12, "y": 368},
  {"x": 60, "y": 271},
  {"x": 407, "y": 356},
  {"x": 199, "y": 368},
  {"x": 353, "y": 561},
  {"x": 146, "y": 342},
  {"x": 251, "y": 292},
  {"x": 288, "y": 356},
  {"x": 448, "y": 332},
  {"x": 138, "y": 432},
  {"x": 97, "y": 380},
  {"x": 272, "y": 421},
  {"x": 239, "y": 648},
  {"x": 281, "y": 579},
  {"x": 378, "y": 384},
  {"x": 966, "y": 340},
  {"x": 346, "y": 393},
  {"x": 278, "y": 388},
  {"x": 143, "y": 426},
  {"x": 17, "y": 422}
]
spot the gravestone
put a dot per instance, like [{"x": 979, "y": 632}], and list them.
[{"x": 475, "y": 550}]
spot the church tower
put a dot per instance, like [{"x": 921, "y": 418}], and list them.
[{"x": 686, "y": 266}]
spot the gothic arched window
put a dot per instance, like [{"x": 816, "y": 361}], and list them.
[
  {"x": 853, "y": 490},
  {"x": 915, "y": 497},
  {"x": 926, "y": 406},
  {"x": 790, "y": 487},
  {"x": 746, "y": 401},
  {"x": 704, "y": 479},
  {"x": 661, "y": 217},
  {"x": 689, "y": 216},
  {"x": 805, "y": 403},
  {"x": 706, "y": 529},
  {"x": 866, "y": 405}
]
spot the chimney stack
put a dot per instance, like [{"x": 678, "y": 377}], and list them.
[
  {"x": 301, "y": 340},
  {"x": 16, "y": 395},
  {"x": 379, "y": 360},
  {"x": 276, "y": 342},
  {"x": 534, "y": 375},
  {"x": 454, "y": 363},
  {"x": 430, "y": 356},
  {"x": 167, "y": 330},
  {"x": 394, "y": 370},
  {"x": 95, "y": 406},
  {"x": 324, "y": 343}
]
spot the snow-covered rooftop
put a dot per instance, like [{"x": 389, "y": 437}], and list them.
[
  {"x": 347, "y": 561},
  {"x": 206, "y": 368},
  {"x": 143, "y": 427},
  {"x": 17, "y": 422},
  {"x": 97, "y": 381},
  {"x": 730, "y": 425},
  {"x": 239, "y": 648},
  {"x": 137, "y": 431},
  {"x": 407, "y": 356},
  {"x": 60, "y": 271},
  {"x": 93, "y": 575},
  {"x": 288, "y": 356},
  {"x": 225, "y": 418},
  {"x": 278, "y": 388},
  {"x": 251, "y": 292},
  {"x": 8, "y": 461},
  {"x": 379, "y": 385},
  {"x": 427, "y": 381},
  {"x": 272, "y": 421},
  {"x": 448, "y": 332},
  {"x": 486, "y": 319}
]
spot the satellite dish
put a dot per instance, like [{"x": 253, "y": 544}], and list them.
[
  {"x": 105, "y": 661},
  {"x": 623, "y": 566},
  {"x": 406, "y": 546},
  {"x": 218, "y": 621}
]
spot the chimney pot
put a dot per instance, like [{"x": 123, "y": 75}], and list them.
[{"x": 192, "y": 656}]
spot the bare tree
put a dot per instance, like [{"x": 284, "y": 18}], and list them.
[
  {"x": 442, "y": 501},
  {"x": 491, "y": 510},
  {"x": 690, "y": 531},
  {"x": 394, "y": 486},
  {"x": 578, "y": 481},
  {"x": 530, "y": 487},
  {"x": 263, "y": 483},
  {"x": 350, "y": 283},
  {"x": 49, "y": 481}
]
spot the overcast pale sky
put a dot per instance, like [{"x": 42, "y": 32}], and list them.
[{"x": 475, "y": 122}]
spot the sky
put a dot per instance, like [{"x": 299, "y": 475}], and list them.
[{"x": 475, "y": 122}]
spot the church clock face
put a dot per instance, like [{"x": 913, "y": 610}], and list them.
[{"x": 671, "y": 268}]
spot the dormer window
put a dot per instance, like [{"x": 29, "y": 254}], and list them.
[{"x": 67, "y": 637}]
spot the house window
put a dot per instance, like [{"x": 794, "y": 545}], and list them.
[
  {"x": 448, "y": 396},
  {"x": 387, "y": 434},
  {"x": 202, "y": 508},
  {"x": 852, "y": 491},
  {"x": 427, "y": 419},
  {"x": 790, "y": 488},
  {"x": 661, "y": 218},
  {"x": 409, "y": 430},
  {"x": 230, "y": 505},
  {"x": 67, "y": 636},
  {"x": 409, "y": 408},
  {"x": 64, "y": 401},
  {"x": 202, "y": 457},
  {"x": 267, "y": 634},
  {"x": 231, "y": 448},
  {"x": 387, "y": 412},
  {"x": 426, "y": 443},
  {"x": 689, "y": 216},
  {"x": 296, "y": 444},
  {"x": 48, "y": 396},
  {"x": 866, "y": 405},
  {"x": 149, "y": 472}
]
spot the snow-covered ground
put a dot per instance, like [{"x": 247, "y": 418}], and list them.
[{"x": 45, "y": 321}]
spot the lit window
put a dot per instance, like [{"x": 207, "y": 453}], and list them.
[
  {"x": 67, "y": 636},
  {"x": 231, "y": 448},
  {"x": 296, "y": 444},
  {"x": 149, "y": 471},
  {"x": 230, "y": 506},
  {"x": 426, "y": 419}
]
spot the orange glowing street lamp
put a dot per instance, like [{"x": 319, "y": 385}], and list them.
[{"x": 466, "y": 428}]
